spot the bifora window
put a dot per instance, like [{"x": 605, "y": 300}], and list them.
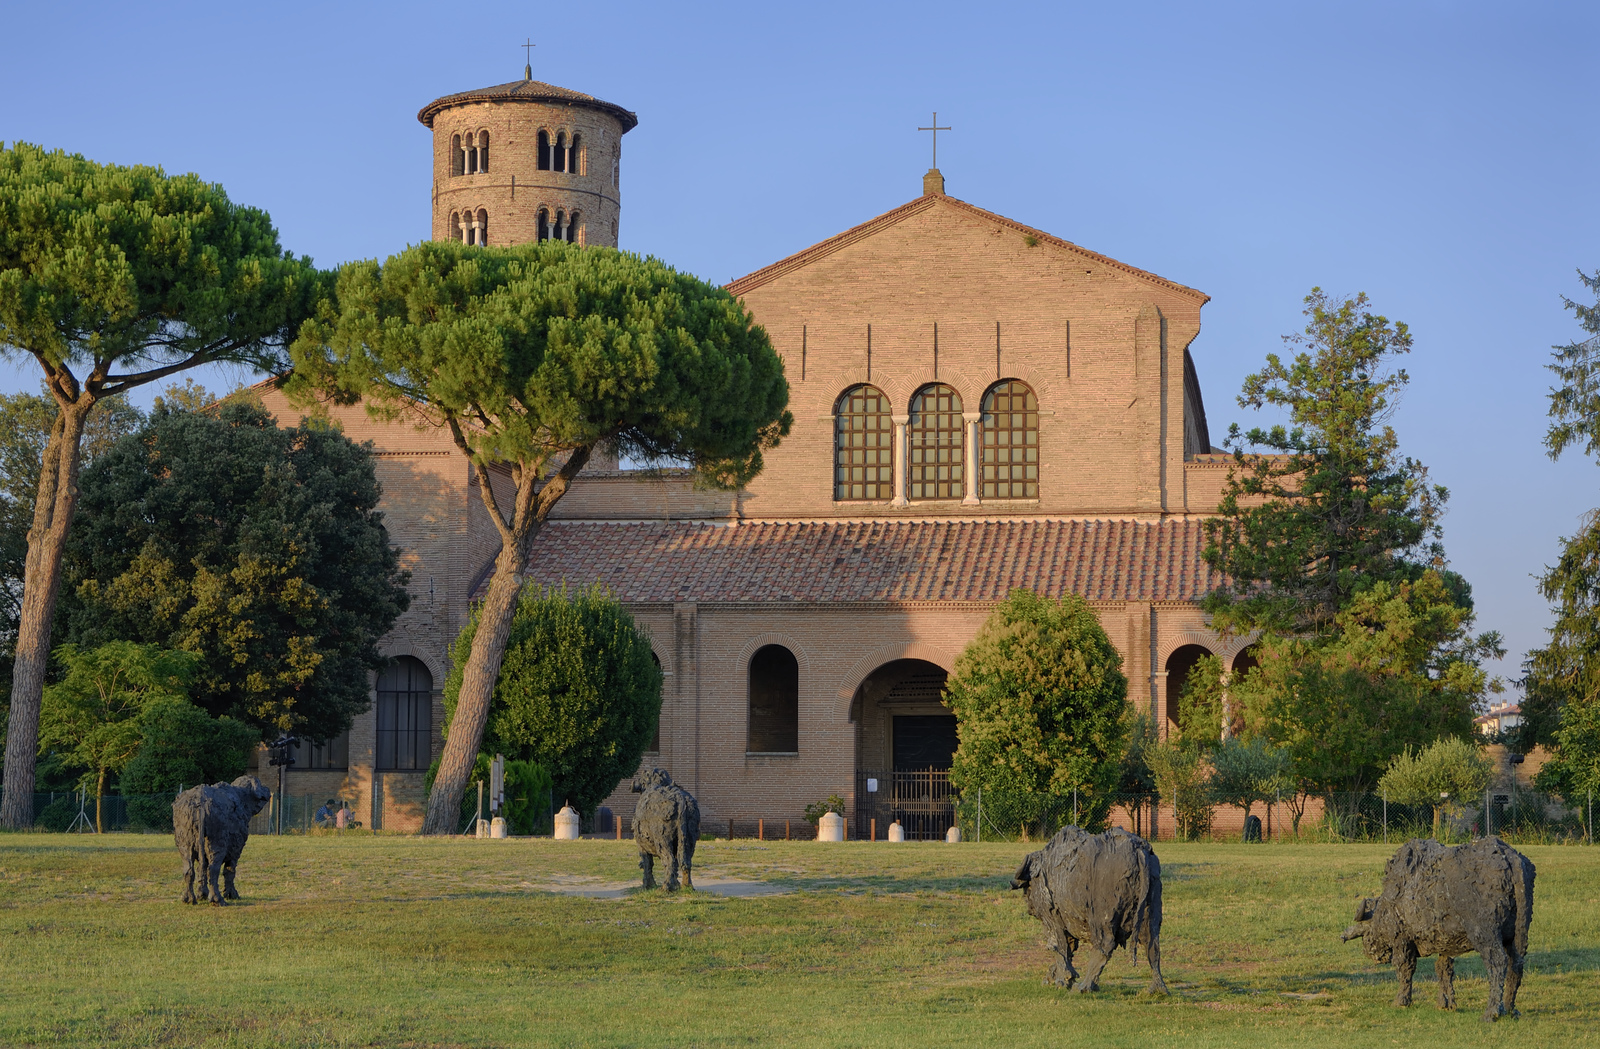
[
  {"x": 405, "y": 715},
  {"x": 774, "y": 702},
  {"x": 934, "y": 434},
  {"x": 863, "y": 462},
  {"x": 1010, "y": 442}
]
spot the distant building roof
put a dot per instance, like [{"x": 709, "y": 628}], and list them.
[
  {"x": 877, "y": 561},
  {"x": 527, "y": 91}
]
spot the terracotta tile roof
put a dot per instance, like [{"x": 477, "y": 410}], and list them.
[
  {"x": 887, "y": 561},
  {"x": 527, "y": 91}
]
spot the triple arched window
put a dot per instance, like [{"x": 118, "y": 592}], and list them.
[
  {"x": 469, "y": 153},
  {"x": 561, "y": 153},
  {"x": 470, "y": 227},
  {"x": 940, "y": 441},
  {"x": 560, "y": 225}
]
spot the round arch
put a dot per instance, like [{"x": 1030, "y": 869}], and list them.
[
  {"x": 436, "y": 666},
  {"x": 863, "y": 667},
  {"x": 1180, "y": 662}
]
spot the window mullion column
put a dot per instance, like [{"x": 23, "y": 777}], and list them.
[
  {"x": 973, "y": 452},
  {"x": 899, "y": 461}
]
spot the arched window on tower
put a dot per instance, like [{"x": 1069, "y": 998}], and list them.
[
  {"x": 472, "y": 154},
  {"x": 483, "y": 151},
  {"x": 559, "y": 230},
  {"x": 575, "y": 163},
  {"x": 405, "y": 715},
  {"x": 655, "y": 738},
  {"x": 574, "y": 229},
  {"x": 544, "y": 223},
  {"x": 458, "y": 159},
  {"x": 483, "y": 226},
  {"x": 616, "y": 171},
  {"x": 935, "y": 438},
  {"x": 863, "y": 446},
  {"x": 561, "y": 151},
  {"x": 544, "y": 151},
  {"x": 455, "y": 227},
  {"x": 774, "y": 726},
  {"x": 1010, "y": 442}
]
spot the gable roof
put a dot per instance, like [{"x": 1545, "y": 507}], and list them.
[
  {"x": 876, "y": 561},
  {"x": 527, "y": 91},
  {"x": 751, "y": 281}
]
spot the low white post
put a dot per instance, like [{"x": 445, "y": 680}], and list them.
[
  {"x": 897, "y": 832},
  {"x": 830, "y": 827}
]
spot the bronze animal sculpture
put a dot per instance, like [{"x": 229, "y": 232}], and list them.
[
  {"x": 1100, "y": 891},
  {"x": 211, "y": 825},
  {"x": 666, "y": 825},
  {"x": 1449, "y": 901}
]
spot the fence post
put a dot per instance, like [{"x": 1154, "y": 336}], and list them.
[
  {"x": 980, "y": 815},
  {"x": 1386, "y": 817},
  {"x": 1074, "y": 806},
  {"x": 1488, "y": 812}
]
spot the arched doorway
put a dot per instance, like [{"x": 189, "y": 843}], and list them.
[
  {"x": 1245, "y": 660},
  {"x": 1179, "y": 665},
  {"x": 905, "y": 742}
]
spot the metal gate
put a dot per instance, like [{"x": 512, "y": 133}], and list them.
[{"x": 920, "y": 799}]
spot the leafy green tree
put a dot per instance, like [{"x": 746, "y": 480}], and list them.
[
  {"x": 257, "y": 548},
  {"x": 531, "y": 356},
  {"x": 93, "y": 713},
  {"x": 1183, "y": 778},
  {"x": 528, "y": 790},
  {"x": 1039, "y": 697},
  {"x": 578, "y": 692},
  {"x": 112, "y": 277},
  {"x": 181, "y": 746},
  {"x": 1561, "y": 684},
  {"x": 25, "y": 423},
  {"x": 1200, "y": 704},
  {"x": 1333, "y": 507},
  {"x": 1247, "y": 771},
  {"x": 1448, "y": 773}
]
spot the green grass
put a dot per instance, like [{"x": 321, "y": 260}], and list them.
[{"x": 391, "y": 941}]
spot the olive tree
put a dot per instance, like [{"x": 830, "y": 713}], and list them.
[
  {"x": 531, "y": 356},
  {"x": 112, "y": 277},
  {"x": 1448, "y": 773}
]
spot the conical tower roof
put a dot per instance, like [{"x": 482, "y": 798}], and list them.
[{"x": 527, "y": 90}]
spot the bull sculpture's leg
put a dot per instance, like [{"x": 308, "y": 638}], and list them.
[
  {"x": 214, "y": 878},
  {"x": 1405, "y": 967},
  {"x": 1062, "y": 974},
  {"x": 1495, "y": 962},
  {"x": 230, "y": 893},
  {"x": 188, "y": 877},
  {"x": 1152, "y": 950},
  {"x": 1446, "y": 966},
  {"x": 1513, "y": 980},
  {"x": 647, "y": 863},
  {"x": 686, "y": 860},
  {"x": 1091, "y": 972},
  {"x": 671, "y": 859}
]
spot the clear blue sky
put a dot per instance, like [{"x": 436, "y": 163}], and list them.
[{"x": 1440, "y": 156}]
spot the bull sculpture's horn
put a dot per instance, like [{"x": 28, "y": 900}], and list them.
[
  {"x": 1364, "y": 910},
  {"x": 1024, "y": 875},
  {"x": 1354, "y": 932}
]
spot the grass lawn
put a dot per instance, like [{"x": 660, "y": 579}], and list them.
[{"x": 367, "y": 940}]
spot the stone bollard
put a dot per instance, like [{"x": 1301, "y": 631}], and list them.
[
  {"x": 830, "y": 827},
  {"x": 897, "y": 832},
  {"x": 568, "y": 827},
  {"x": 953, "y": 834},
  {"x": 497, "y": 827},
  {"x": 481, "y": 829}
]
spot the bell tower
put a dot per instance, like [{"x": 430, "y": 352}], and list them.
[{"x": 526, "y": 161}]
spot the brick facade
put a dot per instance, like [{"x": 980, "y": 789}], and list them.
[{"x": 934, "y": 291}]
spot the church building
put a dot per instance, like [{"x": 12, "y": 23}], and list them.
[{"x": 978, "y": 406}]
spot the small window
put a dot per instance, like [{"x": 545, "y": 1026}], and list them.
[
  {"x": 457, "y": 158},
  {"x": 483, "y": 151},
  {"x": 455, "y": 227},
  {"x": 561, "y": 151},
  {"x": 1010, "y": 442},
  {"x": 334, "y": 754},
  {"x": 655, "y": 740},
  {"x": 934, "y": 434},
  {"x": 574, "y": 230},
  {"x": 544, "y": 223},
  {"x": 544, "y": 151},
  {"x": 576, "y": 164},
  {"x": 483, "y": 226},
  {"x": 616, "y": 171},
  {"x": 774, "y": 702},
  {"x": 863, "y": 464},
  {"x": 405, "y": 716}
]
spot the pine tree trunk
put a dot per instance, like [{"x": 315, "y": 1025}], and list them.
[
  {"x": 489, "y": 642},
  {"x": 53, "y": 510}
]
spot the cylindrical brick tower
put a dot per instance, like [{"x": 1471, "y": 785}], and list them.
[{"x": 526, "y": 161}]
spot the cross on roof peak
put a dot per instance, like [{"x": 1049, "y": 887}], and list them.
[
  {"x": 527, "y": 55},
  {"x": 935, "y": 129}
]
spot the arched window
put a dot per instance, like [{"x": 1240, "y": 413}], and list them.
[
  {"x": 544, "y": 151},
  {"x": 483, "y": 226},
  {"x": 574, "y": 230},
  {"x": 483, "y": 151},
  {"x": 561, "y": 151},
  {"x": 1010, "y": 442},
  {"x": 559, "y": 230},
  {"x": 655, "y": 740},
  {"x": 616, "y": 171},
  {"x": 458, "y": 159},
  {"x": 774, "y": 702},
  {"x": 544, "y": 224},
  {"x": 934, "y": 434},
  {"x": 575, "y": 164},
  {"x": 1179, "y": 666},
  {"x": 405, "y": 715},
  {"x": 863, "y": 446}
]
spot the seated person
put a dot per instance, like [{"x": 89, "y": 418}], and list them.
[
  {"x": 343, "y": 819},
  {"x": 325, "y": 815}
]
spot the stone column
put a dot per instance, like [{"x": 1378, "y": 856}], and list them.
[
  {"x": 900, "y": 472},
  {"x": 974, "y": 455}
]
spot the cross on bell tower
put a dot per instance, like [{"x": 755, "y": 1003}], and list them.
[
  {"x": 933, "y": 181},
  {"x": 527, "y": 55}
]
